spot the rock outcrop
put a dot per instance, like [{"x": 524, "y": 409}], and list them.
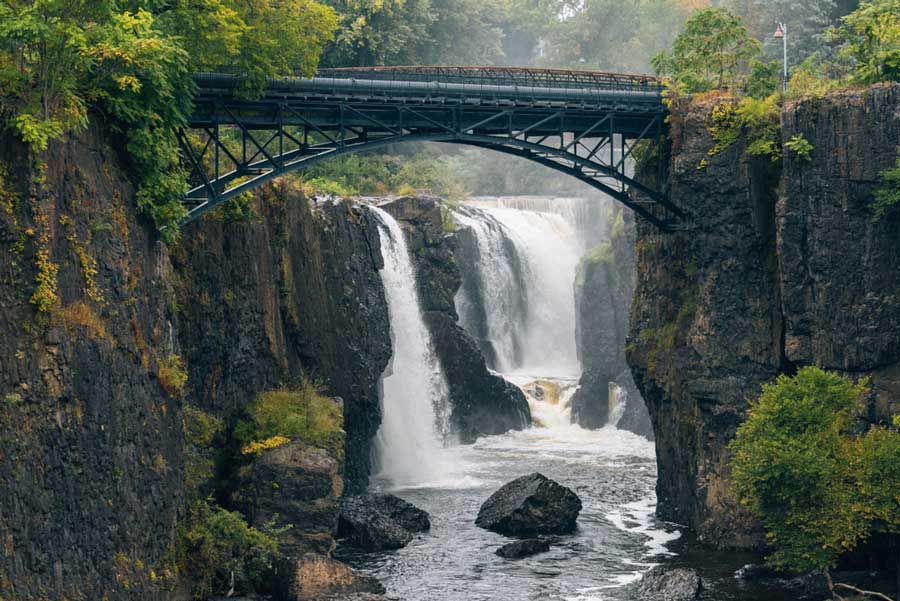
[
  {"x": 317, "y": 578},
  {"x": 670, "y": 584},
  {"x": 300, "y": 485},
  {"x": 483, "y": 403},
  {"x": 530, "y": 505},
  {"x": 293, "y": 293},
  {"x": 378, "y": 522},
  {"x": 604, "y": 287},
  {"x": 523, "y": 548},
  {"x": 783, "y": 266}
]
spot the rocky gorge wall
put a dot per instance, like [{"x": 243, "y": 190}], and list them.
[
  {"x": 783, "y": 267},
  {"x": 92, "y": 444}
]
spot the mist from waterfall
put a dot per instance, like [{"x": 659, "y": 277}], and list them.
[
  {"x": 517, "y": 297},
  {"x": 414, "y": 391}
]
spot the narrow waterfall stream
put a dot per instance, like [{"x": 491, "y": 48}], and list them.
[{"x": 409, "y": 443}]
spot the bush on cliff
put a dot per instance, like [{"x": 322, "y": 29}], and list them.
[
  {"x": 803, "y": 465},
  {"x": 302, "y": 412}
]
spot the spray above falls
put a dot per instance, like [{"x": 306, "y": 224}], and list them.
[{"x": 414, "y": 392}]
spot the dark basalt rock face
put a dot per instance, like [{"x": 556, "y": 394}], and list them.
[
  {"x": 523, "y": 548},
  {"x": 90, "y": 442},
  {"x": 483, "y": 404},
  {"x": 670, "y": 584},
  {"x": 307, "y": 496},
  {"x": 604, "y": 288},
  {"x": 530, "y": 505},
  {"x": 295, "y": 293},
  {"x": 783, "y": 267},
  {"x": 379, "y": 522}
]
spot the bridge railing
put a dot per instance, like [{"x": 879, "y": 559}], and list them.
[{"x": 506, "y": 76}]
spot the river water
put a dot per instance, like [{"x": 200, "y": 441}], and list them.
[{"x": 517, "y": 301}]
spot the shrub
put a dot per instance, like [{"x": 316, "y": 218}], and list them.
[
  {"x": 887, "y": 196},
  {"x": 172, "y": 374},
  {"x": 302, "y": 413},
  {"x": 218, "y": 545},
  {"x": 758, "y": 120},
  {"x": 802, "y": 466},
  {"x": 870, "y": 38},
  {"x": 800, "y": 146},
  {"x": 80, "y": 314}
]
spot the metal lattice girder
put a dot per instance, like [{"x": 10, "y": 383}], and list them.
[{"x": 583, "y": 124}]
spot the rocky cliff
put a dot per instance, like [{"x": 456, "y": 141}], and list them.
[
  {"x": 90, "y": 442},
  {"x": 783, "y": 266},
  {"x": 604, "y": 287},
  {"x": 483, "y": 404},
  {"x": 293, "y": 293},
  {"x": 108, "y": 335}
]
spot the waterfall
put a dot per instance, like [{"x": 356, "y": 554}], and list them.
[
  {"x": 414, "y": 392},
  {"x": 517, "y": 298},
  {"x": 617, "y": 401}
]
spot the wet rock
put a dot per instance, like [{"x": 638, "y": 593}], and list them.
[
  {"x": 530, "y": 505},
  {"x": 670, "y": 584},
  {"x": 319, "y": 578},
  {"x": 380, "y": 522},
  {"x": 307, "y": 496},
  {"x": 523, "y": 548}
]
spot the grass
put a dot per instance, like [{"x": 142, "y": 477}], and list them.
[
  {"x": 82, "y": 315},
  {"x": 300, "y": 413}
]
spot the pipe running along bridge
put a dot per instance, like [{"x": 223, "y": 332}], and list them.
[{"x": 583, "y": 124}]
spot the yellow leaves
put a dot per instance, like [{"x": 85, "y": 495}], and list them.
[
  {"x": 258, "y": 446},
  {"x": 128, "y": 82}
]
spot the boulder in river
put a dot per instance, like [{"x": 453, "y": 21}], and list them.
[
  {"x": 523, "y": 548},
  {"x": 528, "y": 506},
  {"x": 380, "y": 522},
  {"x": 669, "y": 584}
]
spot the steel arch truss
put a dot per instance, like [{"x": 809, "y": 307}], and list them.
[{"x": 233, "y": 146}]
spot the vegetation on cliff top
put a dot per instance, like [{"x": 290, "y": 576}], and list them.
[{"x": 805, "y": 464}]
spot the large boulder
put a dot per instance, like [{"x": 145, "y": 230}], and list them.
[
  {"x": 380, "y": 522},
  {"x": 318, "y": 578},
  {"x": 528, "y": 506},
  {"x": 670, "y": 584},
  {"x": 523, "y": 548}
]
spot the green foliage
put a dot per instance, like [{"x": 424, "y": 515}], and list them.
[
  {"x": 800, "y": 465},
  {"x": 811, "y": 79},
  {"x": 800, "y": 146},
  {"x": 887, "y": 196},
  {"x": 172, "y": 374},
  {"x": 302, "y": 413},
  {"x": 870, "y": 37},
  {"x": 757, "y": 120},
  {"x": 764, "y": 79},
  {"x": 216, "y": 544},
  {"x": 713, "y": 52}
]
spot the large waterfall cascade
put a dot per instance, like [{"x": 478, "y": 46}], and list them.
[
  {"x": 414, "y": 392},
  {"x": 518, "y": 300}
]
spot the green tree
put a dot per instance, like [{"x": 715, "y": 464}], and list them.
[
  {"x": 870, "y": 38},
  {"x": 713, "y": 52},
  {"x": 802, "y": 466}
]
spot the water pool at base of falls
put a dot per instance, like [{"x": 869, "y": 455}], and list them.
[{"x": 617, "y": 540}]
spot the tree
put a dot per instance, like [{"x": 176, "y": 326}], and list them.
[
  {"x": 713, "y": 52},
  {"x": 870, "y": 38},
  {"x": 801, "y": 465}
]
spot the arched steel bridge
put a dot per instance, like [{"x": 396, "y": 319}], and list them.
[{"x": 583, "y": 124}]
